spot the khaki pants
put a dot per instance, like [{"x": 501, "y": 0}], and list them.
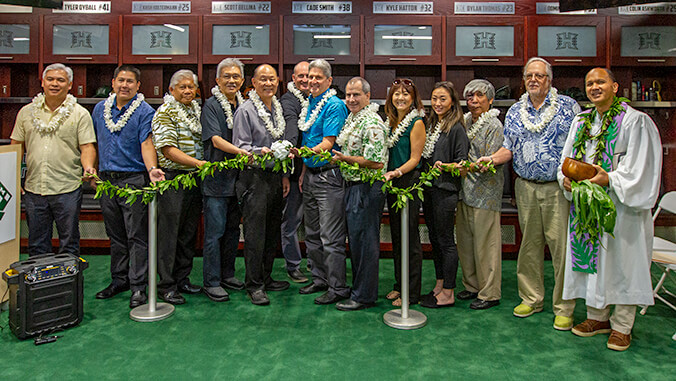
[
  {"x": 543, "y": 217},
  {"x": 480, "y": 250},
  {"x": 622, "y": 320}
]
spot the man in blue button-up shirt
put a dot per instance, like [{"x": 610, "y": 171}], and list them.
[
  {"x": 126, "y": 157},
  {"x": 323, "y": 188},
  {"x": 536, "y": 128}
]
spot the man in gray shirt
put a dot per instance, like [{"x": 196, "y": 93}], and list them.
[{"x": 260, "y": 122}]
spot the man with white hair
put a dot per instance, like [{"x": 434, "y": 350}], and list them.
[
  {"x": 324, "y": 188},
  {"x": 260, "y": 123},
  {"x": 536, "y": 128},
  {"x": 58, "y": 137},
  {"x": 293, "y": 102},
  {"x": 221, "y": 209},
  {"x": 177, "y": 135},
  {"x": 362, "y": 142}
]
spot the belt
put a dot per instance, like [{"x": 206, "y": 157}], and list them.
[
  {"x": 120, "y": 175},
  {"x": 318, "y": 170},
  {"x": 352, "y": 183},
  {"x": 538, "y": 181}
]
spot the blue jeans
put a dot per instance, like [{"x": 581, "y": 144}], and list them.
[
  {"x": 221, "y": 238},
  {"x": 364, "y": 207},
  {"x": 43, "y": 211}
]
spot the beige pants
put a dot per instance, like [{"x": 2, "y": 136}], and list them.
[
  {"x": 622, "y": 320},
  {"x": 543, "y": 217},
  {"x": 480, "y": 250}
]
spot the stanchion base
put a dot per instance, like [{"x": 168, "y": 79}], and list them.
[
  {"x": 143, "y": 314},
  {"x": 415, "y": 320}
]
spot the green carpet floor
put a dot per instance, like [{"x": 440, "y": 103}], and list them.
[{"x": 296, "y": 339}]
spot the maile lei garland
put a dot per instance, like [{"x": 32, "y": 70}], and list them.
[
  {"x": 392, "y": 139},
  {"x": 480, "y": 122},
  {"x": 108, "y": 116},
  {"x": 225, "y": 104},
  {"x": 262, "y": 112},
  {"x": 547, "y": 116},
  {"x": 354, "y": 120},
  {"x": 64, "y": 112},
  {"x": 304, "y": 125},
  {"x": 592, "y": 211},
  {"x": 193, "y": 119}
]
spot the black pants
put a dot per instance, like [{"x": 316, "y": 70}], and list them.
[
  {"x": 178, "y": 216},
  {"x": 127, "y": 228},
  {"x": 260, "y": 197},
  {"x": 414, "y": 247},
  {"x": 440, "y": 207}
]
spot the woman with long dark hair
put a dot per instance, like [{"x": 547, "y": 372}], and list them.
[
  {"x": 446, "y": 146},
  {"x": 405, "y": 142}
]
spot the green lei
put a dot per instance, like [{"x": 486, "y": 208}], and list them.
[{"x": 584, "y": 133}]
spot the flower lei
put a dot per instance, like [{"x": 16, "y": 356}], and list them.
[
  {"x": 548, "y": 115},
  {"x": 192, "y": 120},
  {"x": 279, "y": 114},
  {"x": 431, "y": 140},
  {"x": 480, "y": 122},
  {"x": 108, "y": 116},
  {"x": 584, "y": 132},
  {"x": 64, "y": 112},
  {"x": 354, "y": 120},
  {"x": 305, "y": 125},
  {"x": 393, "y": 138},
  {"x": 225, "y": 104},
  {"x": 298, "y": 94}
]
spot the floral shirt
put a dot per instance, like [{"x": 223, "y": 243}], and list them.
[
  {"x": 536, "y": 155},
  {"x": 367, "y": 139},
  {"x": 170, "y": 131},
  {"x": 484, "y": 190}
]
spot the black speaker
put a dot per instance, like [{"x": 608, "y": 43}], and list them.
[{"x": 45, "y": 294}]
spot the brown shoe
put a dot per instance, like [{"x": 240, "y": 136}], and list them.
[
  {"x": 618, "y": 341},
  {"x": 591, "y": 327}
]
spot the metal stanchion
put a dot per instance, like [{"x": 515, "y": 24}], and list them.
[
  {"x": 404, "y": 318},
  {"x": 152, "y": 311}
]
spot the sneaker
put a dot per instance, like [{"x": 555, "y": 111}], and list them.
[
  {"x": 591, "y": 327},
  {"x": 563, "y": 323},
  {"x": 523, "y": 310},
  {"x": 618, "y": 341},
  {"x": 297, "y": 276}
]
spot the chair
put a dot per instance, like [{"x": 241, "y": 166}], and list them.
[{"x": 664, "y": 253}]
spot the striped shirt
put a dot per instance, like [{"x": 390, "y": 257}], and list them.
[{"x": 170, "y": 131}]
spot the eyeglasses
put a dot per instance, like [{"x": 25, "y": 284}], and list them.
[
  {"x": 538, "y": 76},
  {"x": 406, "y": 82},
  {"x": 234, "y": 77}
]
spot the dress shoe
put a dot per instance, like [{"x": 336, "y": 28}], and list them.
[
  {"x": 189, "y": 288},
  {"x": 480, "y": 304},
  {"x": 172, "y": 297},
  {"x": 297, "y": 276},
  {"x": 232, "y": 284},
  {"x": 137, "y": 298},
  {"x": 277, "y": 285},
  {"x": 329, "y": 298},
  {"x": 217, "y": 294},
  {"x": 351, "y": 305},
  {"x": 312, "y": 288},
  {"x": 111, "y": 291},
  {"x": 258, "y": 297},
  {"x": 466, "y": 295}
]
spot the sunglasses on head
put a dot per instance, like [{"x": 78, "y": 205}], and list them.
[{"x": 406, "y": 82}]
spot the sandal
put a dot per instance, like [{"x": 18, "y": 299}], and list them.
[
  {"x": 396, "y": 302},
  {"x": 392, "y": 295}
]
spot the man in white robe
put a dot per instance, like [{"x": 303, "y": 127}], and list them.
[{"x": 622, "y": 276}]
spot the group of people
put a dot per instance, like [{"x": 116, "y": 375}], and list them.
[{"x": 137, "y": 145}]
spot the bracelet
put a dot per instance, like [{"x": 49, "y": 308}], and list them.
[
  {"x": 400, "y": 172},
  {"x": 151, "y": 168}
]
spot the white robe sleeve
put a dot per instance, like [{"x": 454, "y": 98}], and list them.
[
  {"x": 567, "y": 152},
  {"x": 636, "y": 179}
]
